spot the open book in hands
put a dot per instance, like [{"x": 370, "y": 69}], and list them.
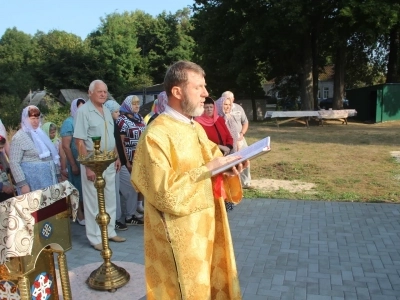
[{"x": 254, "y": 150}]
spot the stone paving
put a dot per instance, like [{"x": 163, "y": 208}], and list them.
[{"x": 284, "y": 250}]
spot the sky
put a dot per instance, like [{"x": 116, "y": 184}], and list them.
[{"x": 79, "y": 17}]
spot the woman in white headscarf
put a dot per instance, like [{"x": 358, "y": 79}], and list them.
[
  {"x": 32, "y": 153},
  {"x": 3, "y": 133},
  {"x": 224, "y": 109},
  {"x": 69, "y": 147}
]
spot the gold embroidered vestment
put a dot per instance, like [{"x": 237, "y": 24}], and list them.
[{"x": 187, "y": 240}]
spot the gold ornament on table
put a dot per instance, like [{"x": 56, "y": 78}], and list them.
[{"x": 108, "y": 276}]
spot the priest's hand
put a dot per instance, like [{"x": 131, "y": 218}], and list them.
[
  {"x": 221, "y": 161},
  {"x": 236, "y": 170}
]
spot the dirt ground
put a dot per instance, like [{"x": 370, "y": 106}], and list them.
[
  {"x": 273, "y": 184},
  {"x": 295, "y": 186}
]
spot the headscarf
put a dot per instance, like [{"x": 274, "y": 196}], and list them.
[
  {"x": 160, "y": 103},
  {"x": 46, "y": 128},
  {"x": 229, "y": 120},
  {"x": 112, "y": 105},
  {"x": 220, "y": 106},
  {"x": 206, "y": 120},
  {"x": 126, "y": 108},
  {"x": 4, "y": 165},
  {"x": 74, "y": 106},
  {"x": 3, "y": 131},
  {"x": 158, "y": 107},
  {"x": 42, "y": 142}
]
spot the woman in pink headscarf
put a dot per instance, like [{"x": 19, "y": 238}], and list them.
[{"x": 215, "y": 127}]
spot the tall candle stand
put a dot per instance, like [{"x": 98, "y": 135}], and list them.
[{"x": 108, "y": 276}]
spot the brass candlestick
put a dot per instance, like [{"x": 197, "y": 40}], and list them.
[{"x": 108, "y": 276}]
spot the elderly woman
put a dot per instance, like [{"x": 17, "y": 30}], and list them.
[
  {"x": 123, "y": 185},
  {"x": 215, "y": 127},
  {"x": 3, "y": 133},
  {"x": 71, "y": 153},
  {"x": 224, "y": 109},
  {"x": 131, "y": 125},
  {"x": 32, "y": 153}
]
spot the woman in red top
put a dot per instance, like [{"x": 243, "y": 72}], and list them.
[{"x": 215, "y": 127}]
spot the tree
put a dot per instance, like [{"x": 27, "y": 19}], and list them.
[
  {"x": 10, "y": 112},
  {"x": 363, "y": 21},
  {"x": 16, "y": 55},
  {"x": 228, "y": 54},
  {"x": 393, "y": 66},
  {"x": 116, "y": 55},
  {"x": 170, "y": 42},
  {"x": 61, "y": 61}
]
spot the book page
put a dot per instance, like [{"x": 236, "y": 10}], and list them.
[{"x": 254, "y": 150}]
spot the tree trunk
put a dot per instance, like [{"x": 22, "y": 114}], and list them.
[
  {"x": 254, "y": 106},
  {"x": 338, "y": 88},
  {"x": 393, "y": 74},
  {"x": 306, "y": 76},
  {"x": 315, "y": 67}
]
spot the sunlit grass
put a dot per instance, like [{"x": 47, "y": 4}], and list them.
[{"x": 346, "y": 162}]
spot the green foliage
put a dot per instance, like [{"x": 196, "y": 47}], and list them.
[
  {"x": 61, "y": 61},
  {"x": 10, "y": 112},
  {"x": 16, "y": 53},
  {"x": 53, "y": 111},
  {"x": 240, "y": 44},
  {"x": 116, "y": 51}
]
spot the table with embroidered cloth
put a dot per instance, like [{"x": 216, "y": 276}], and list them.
[
  {"x": 32, "y": 227},
  {"x": 340, "y": 115},
  {"x": 299, "y": 116},
  {"x": 303, "y": 117}
]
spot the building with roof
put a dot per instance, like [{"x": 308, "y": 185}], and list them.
[
  {"x": 68, "y": 95},
  {"x": 147, "y": 94},
  {"x": 34, "y": 98},
  {"x": 325, "y": 84}
]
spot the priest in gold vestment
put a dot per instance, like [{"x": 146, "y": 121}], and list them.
[{"x": 188, "y": 245}]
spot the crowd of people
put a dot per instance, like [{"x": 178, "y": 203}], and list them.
[{"x": 165, "y": 158}]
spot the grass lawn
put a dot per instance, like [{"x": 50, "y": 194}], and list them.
[{"x": 345, "y": 162}]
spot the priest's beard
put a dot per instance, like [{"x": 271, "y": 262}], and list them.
[{"x": 189, "y": 108}]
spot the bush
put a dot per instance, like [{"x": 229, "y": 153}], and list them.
[{"x": 53, "y": 111}]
